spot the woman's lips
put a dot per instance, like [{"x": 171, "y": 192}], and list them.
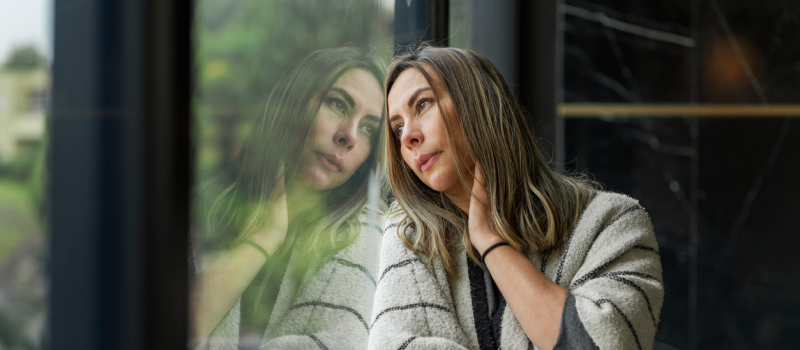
[
  {"x": 329, "y": 161},
  {"x": 425, "y": 161}
]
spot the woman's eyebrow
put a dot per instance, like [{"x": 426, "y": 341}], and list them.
[
  {"x": 416, "y": 93},
  {"x": 374, "y": 118},
  {"x": 410, "y": 101},
  {"x": 347, "y": 97}
]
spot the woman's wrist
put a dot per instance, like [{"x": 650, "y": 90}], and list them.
[
  {"x": 491, "y": 247},
  {"x": 257, "y": 247},
  {"x": 485, "y": 241},
  {"x": 269, "y": 241}
]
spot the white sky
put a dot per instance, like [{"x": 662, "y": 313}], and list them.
[{"x": 26, "y": 22}]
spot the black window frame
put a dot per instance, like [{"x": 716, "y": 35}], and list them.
[{"x": 119, "y": 174}]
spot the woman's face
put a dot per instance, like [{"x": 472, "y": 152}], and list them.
[
  {"x": 346, "y": 126},
  {"x": 419, "y": 121}
]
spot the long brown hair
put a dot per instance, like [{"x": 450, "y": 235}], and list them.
[
  {"x": 233, "y": 201},
  {"x": 532, "y": 206}
]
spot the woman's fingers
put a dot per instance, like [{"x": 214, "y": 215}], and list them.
[
  {"x": 480, "y": 215},
  {"x": 275, "y": 217},
  {"x": 276, "y": 224},
  {"x": 479, "y": 191},
  {"x": 280, "y": 185}
]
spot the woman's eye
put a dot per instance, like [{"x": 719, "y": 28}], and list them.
[
  {"x": 368, "y": 129},
  {"x": 397, "y": 129},
  {"x": 339, "y": 105},
  {"x": 423, "y": 104}
]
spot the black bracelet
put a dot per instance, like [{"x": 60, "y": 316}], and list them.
[
  {"x": 492, "y": 247},
  {"x": 257, "y": 246}
]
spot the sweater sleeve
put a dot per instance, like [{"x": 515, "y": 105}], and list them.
[
  {"x": 618, "y": 288},
  {"x": 226, "y": 334},
  {"x": 410, "y": 310},
  {"x": 572, "y": 334}
]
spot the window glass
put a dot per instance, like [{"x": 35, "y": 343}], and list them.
[
  {"x": 288, "y": 125},
  {"x": 460, "y": 15},
  {"x": 25, "y": 60}
]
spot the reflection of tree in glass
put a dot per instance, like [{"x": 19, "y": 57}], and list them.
[
  {"x": 294, "y": 196},
  {"x": 24, "y": 82},
  {"x": 23, "y": 58}
]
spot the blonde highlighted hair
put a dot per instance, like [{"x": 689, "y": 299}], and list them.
[{"x": 532, "y": 206}]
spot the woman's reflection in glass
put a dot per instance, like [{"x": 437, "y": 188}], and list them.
[{"x": 290, "y": 213}]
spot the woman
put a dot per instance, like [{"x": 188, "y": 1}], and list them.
[
  {"x": 486, "y": 246},
  {"x": 289, "y": 214}
]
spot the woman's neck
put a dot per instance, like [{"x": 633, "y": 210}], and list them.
[
  {"x": 460, "y": 196},
  {"x": 300, "y": 199}
]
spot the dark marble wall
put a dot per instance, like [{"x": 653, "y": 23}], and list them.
[{"x": 721, "y": 191}]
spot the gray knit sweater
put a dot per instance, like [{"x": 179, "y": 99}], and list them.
[
  {"x": 328, "y": 308},
  {"x": 610, "y": 265}
]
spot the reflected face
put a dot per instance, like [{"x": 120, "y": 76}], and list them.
[
  {"x": 419, "y": 121},
  {"x": 345, "y": 129}
]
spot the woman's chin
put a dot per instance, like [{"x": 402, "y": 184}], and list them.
[
  {"x": 316, "y": 180},
  {"x": 439, "y": 181}
]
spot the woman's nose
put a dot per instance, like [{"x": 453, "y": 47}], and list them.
[
  {"x": 412, "y": 136},
  {"x": 347, "y": 135}
]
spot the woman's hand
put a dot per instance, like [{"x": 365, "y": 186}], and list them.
[
  {"x": 276, "y": 224},
  {"x": 481, "y": 233},
  {"x": 276, "y": 219},
  {"x": 535, "y": 300},
  {"x": 220, "y": 285}
]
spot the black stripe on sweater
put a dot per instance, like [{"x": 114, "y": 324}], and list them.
[
  {"x": 497, "y": 321},
  {"x": 564, "y": 256},
  {"x": 405, "y": 343},
  {"x": 394, "y": 266},
  {"x": 407, "y": 307},
  {"x": 364, "y": 224},
  {"x": 357, "y": 266},
  {"x": 629, "y": 273},
  {"x": 641, "y": 291},
  {"x": 597, "y": 270},
  {"x": 615, "y": 219},
  {"x": 591, "y": 275},
  {"x": 569, "y": 242},
  {"x": 388, "y": 227},
  {"x": 630, "y": 325},
  {"x": 318, "y": 341},
  {"x": 480, "y": 306},
  {"x": 646, "y": 248},
  {"x": 333, "y": 306}
]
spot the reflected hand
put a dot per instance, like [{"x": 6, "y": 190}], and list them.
[
  {"x": 276, "y": 218},
  {"x": 481, "y": 233},
  {"x": 224, "y": 281}
]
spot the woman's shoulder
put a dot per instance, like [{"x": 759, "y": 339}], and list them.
[
  {"x": 611, "y": 226},
  {"x": 394, "y": 217},
  {"x": 396, "y": 225},
  {"x": 612, "y": 214},
  {"x": 369, "y": 228},
  {"x": 611, "y": 200},
  {"x": 606, "y": 206}
]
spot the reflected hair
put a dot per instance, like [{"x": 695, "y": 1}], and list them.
[
  {"x": 240, "y": 193},
  {"x": 532, "y": 206}
]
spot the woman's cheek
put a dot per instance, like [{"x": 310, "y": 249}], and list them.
[
  {"x": 408, "y": 158},
  {"x": 446, "y": 176}
]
